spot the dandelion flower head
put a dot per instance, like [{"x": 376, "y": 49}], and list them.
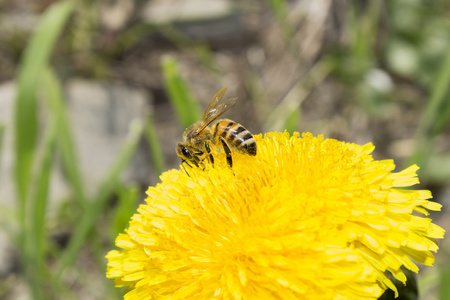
[{"x": 306, "y": 218}]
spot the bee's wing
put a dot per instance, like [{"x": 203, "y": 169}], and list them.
[
  {"x": 214, "y": 101},
  {"x": 216, "y": 108}
]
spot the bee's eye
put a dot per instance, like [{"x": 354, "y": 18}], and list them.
[{"x": 185, "y": 152}]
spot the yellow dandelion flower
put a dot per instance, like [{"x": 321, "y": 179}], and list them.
[{"x": 306, "y": 218}]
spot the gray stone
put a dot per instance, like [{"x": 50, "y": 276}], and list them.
[
  {"x": 167, "y": 12},
  {"x": 101, "y": 115}
]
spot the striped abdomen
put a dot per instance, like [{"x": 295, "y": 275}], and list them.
[{"x": 236, "y": 136}]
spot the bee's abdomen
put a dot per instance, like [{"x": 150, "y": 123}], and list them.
[{"x": 236, "y": 136}]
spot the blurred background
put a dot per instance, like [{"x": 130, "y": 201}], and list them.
[{"x": 94, "y": 96}]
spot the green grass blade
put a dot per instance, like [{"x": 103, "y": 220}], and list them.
[
  {"x": 280, "y": 10},
  {"x": 292, "y": 120},
  {"x": 365, "y": 30},
  {"x": 65, "y": 140},
  {"x": 97, "y": 206},
  {"x": 436, "y": 115},
  {"x": 437, "y": 112},
  {"x": 187, "y": 109},
  {"x": 128, "y": 200},
  {"x": 286, "y": 115},
  {"x": 437, "y": 169},
  {"x": 36, "y": 242},
  {"x": 155, "y": 145},
  {"x": 428, "y": 282},
  {"x": 444, "y": 287},
  {"x": 35, "y": 59}
]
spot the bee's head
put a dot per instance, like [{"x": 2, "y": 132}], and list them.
[{"x": 187, "y": 154}]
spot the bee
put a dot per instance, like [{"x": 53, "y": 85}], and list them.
[{"x": 195, "y": 146}]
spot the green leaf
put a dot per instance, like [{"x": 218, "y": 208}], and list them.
[
  {"x": 188, "y": 110},
  {"x": 292, "y": 120},
  {"x": 444, "y": 287},
  {"x": 437, "y": 169},
  {"x": 35, "y": 59},
  {"x": 36, "y": 242},
  {"x": 97, "y": 206},
  {"x": 280, "y": 9},
  {"x": 32, "y": 186},
  {"x": 128, "y": 199},
  {"x": 435, "y": 117},
  {"x": 65, "y": 141},
  {"x": 155, "y": 145}
]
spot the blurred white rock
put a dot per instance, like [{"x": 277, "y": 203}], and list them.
[{"x": 100, "y": 115}]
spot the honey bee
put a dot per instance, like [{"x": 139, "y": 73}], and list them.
[{"x": 195, "y": 145}]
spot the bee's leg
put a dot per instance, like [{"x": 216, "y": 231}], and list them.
[
  {"x": 227, "y": 152},
  {"x": 195, "y": 160},
  {"x": 211, "y": 158},
  {"x": 182, "y": 164}
]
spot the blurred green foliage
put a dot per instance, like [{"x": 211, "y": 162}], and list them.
[
  {"x": 32, "y": 187},
  {"x": 406, "y": 41},
  {"x": 186, "y": 107}
]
